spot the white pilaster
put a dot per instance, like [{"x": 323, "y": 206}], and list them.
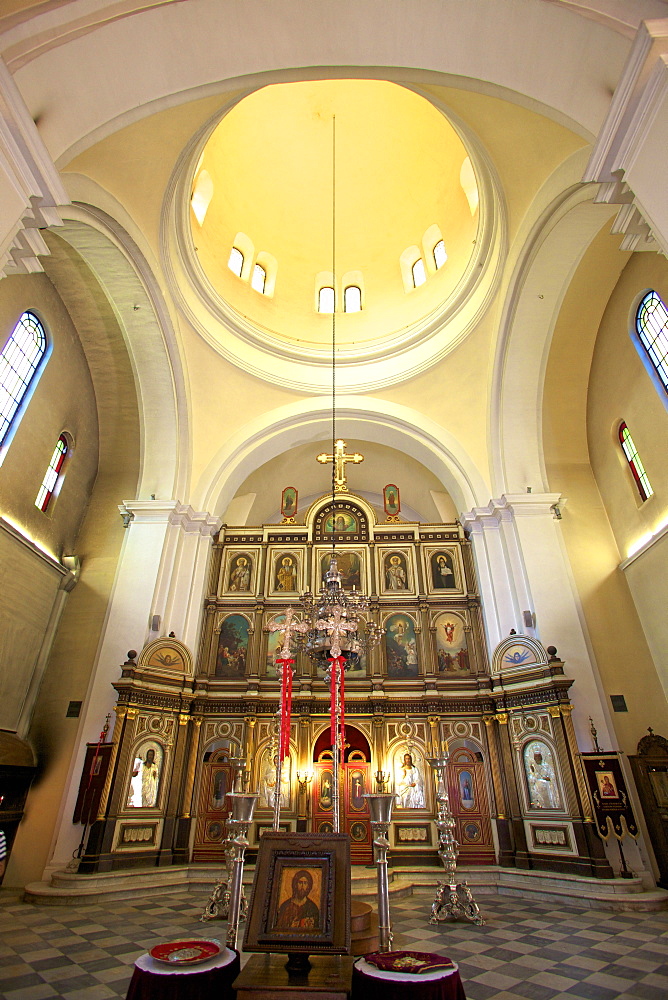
[
  {"x": 147, "y": 527},
  {"x": 523, "y": 566},
  {"x": 182, "y": 575}
]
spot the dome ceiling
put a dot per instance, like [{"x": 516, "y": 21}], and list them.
[{"x": 263, "y": 182}]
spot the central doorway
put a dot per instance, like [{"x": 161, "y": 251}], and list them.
[{"x": 355, "y": 783}]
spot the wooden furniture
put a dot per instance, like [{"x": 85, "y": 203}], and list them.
[
  {"x": 264, "y": 977},
  {"x": 153, "y": 980},
  {"x": 369, "y": 983},
  {"x": 650, "y": 769}
]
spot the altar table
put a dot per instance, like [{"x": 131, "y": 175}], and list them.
[
  {"x": 264, "y": 977},
  {"x": 370, "y": 983},
  {"x": 153, "y": 980}
]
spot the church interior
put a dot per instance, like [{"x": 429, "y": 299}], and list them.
[{"x": 384, "y": 280}]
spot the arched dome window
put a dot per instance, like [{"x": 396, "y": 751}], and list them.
[
  {"x": 326, "y": 299},
  {"x": 352, "y": 299},
  {"x": 440, "y": 254},
  {"x": 19, "y": 362},
  {"x": 259, "y": 279},
  {"x": 418, "y": 272},
  {"x": 652, "y": 330},
  {"x": 236, "y": 261},
  {"x": 54, "y": 474},
  {"x": 635, "y": 465}
]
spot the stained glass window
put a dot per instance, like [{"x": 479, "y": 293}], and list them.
[
  {"x": 652, "y": 330},
  {"x": 52, "y": 474},
  {"x": 19, "y": 362},
  {"x": 633, "y": 458}
]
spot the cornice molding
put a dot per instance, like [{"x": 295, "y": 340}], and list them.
[
  {"x": 509, "y": 507},
  {"x": 31, "y": 180}
]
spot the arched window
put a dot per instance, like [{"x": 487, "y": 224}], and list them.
[
  {"x": 652, "y": 330},
  {"x": 236, "y": 262},
  {"x": 419, "y": 273},
  {"x": 633, "y": 458},
  {"x": 259, "y": 279},
  {"x": 326, "y": 299},
  {"x": 352, "y": 299},
  {"x": 53, "y": 473},
  {"x": 440, "y": 255},
  {"x": 19, "y": 362}
]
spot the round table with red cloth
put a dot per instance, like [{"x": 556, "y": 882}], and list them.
[
  {"x": 370, "y": 983},
  {"x": 153, "y": 980}
]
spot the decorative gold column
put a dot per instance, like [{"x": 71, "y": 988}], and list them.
[
  {"x": 190, "y": 770},
  {"x": 121, "y": 712}
]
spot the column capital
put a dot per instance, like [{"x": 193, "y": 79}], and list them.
[
  {"x": 511, "y": 506},
  {"x": 169, "y": 512}
]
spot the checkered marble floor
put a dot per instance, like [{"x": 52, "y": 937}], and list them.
[{"x": 526, "y": 951}]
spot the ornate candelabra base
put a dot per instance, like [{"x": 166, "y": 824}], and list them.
[
  {"x": 218, "y": 904},
  {"x": 454, "y": 899}
]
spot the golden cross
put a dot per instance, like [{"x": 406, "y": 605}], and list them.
[{"x": 339, "y": 458}]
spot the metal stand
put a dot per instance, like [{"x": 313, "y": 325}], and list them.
[
  {"x": 380, "y": 807},
  {"x": 453, "y": 898},
  {"x": 218, "y": 905},
  {"x": 242, "y": 813}
]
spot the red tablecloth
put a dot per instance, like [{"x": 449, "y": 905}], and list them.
[
  {"x": 370, "y": 983},
  {"x": 153, "y": 980}
]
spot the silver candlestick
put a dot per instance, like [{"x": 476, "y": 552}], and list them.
[
  {"x": 218, "y": 904},
  {"x": 453, "y": 898},
  {"x": 380, "y": 807},
  {"x": 242, "y": 807}
]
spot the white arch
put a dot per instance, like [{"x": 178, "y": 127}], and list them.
[
  {"x": 375, "y": 420},
  {"x": 60, "y": 55},
  {"x": 129, "y": 284},
  {"x": 550, "y": 255}
]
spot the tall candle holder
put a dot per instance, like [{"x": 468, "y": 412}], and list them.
[
  {"x": 382, "y": 778},
  {"x": 453, "y": 898},
  {"x": 380, "y": 807},
  {"x": 218, "y": 905},
  {"x": 242, "y": 806}
]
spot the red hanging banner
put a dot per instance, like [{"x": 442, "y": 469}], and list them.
[
  {"x": 286, "y": 707},
  {"x": 336, "y": 664}
]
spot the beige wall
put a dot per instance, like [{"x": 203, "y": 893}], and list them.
[
  {"x": 594, "y": 377},
  {"x": 87, "y": 384}
]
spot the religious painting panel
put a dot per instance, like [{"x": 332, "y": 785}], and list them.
[
  {"x": 343, "y": 521},
  {"x": 351, "y": 564},
  {"x": 289, "y": 500},
  {"x": 216, "y": 779},
  {"x": 267, "y": 780},
  {"x": 396, "y": 571},
  {"x": 469, "y": 804},
  {"x": 301, "y": 894},
  {"x": 145, "y": 773},
  {"x": 239, "y": 572},
  {"x": 285, "y": 572},
  {"x": 391, "y": 500},
  {"x": 232, "y": 650},
  {"x": 452, "y": 654},
  {"x": 410, "y": 776},
  {"x": 356, "y": 667},
  {"x": 443, "y": 570},
  {"x": 274, "y": 643},
  {"x": 401, "y": 652},
  {"x": 542, "y": 782}
]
